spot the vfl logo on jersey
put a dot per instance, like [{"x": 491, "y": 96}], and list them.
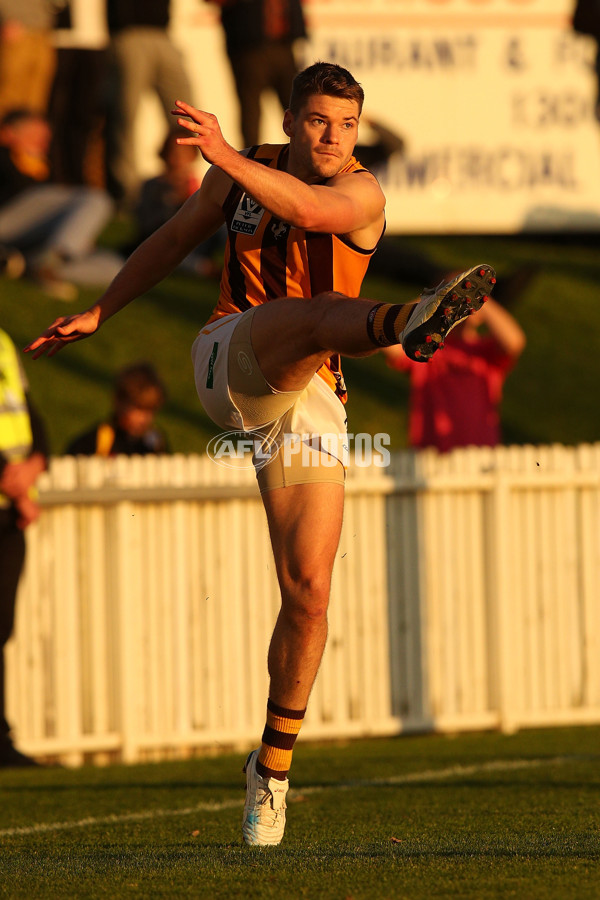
[{"x": 247, "y": 216}]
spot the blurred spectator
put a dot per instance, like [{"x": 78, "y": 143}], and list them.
[
  {"x": 143, "y": 58},
  {"x": 259, "y": 39},
  {"x": 78, "y": 98},
  {"x": 23, "y": 456},
  {"x": 455, "y": 397},
  {"x": 161, "y": 197},
  {"x": 27, "y": 56},
  {"x": 54, "y": 226},
  {"x": 138, "y": 395},
  {"x": 586, "y": 20}
]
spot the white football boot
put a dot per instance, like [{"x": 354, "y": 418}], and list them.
[
  {"x": 440, "y": 309},
  {"x": 264, "y": 810}
]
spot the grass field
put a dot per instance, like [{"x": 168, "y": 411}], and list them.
[
  {"x": 472, "y": 816},
  {"x": 550, "y": 397}
]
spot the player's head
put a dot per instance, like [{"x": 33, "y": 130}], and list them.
[
  {"x": 328, "y": 79},
  {"x": 322, "y": 121}
]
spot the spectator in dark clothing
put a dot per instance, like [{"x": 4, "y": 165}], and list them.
[
  {"x": 143, "y": 57},
  {"x": 139, "y": 393},
  {"x": 163, "y": 195},
  {"x": 77, "y": 109},
  {"x": 259, "y": 39},
  {"x": 23, "y": 457}
]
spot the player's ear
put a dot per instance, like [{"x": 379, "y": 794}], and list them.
[{"x": 288, "y": 123}]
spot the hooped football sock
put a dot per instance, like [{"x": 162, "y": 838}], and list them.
[
  {"x": 275, "y": 756},
  {"x": 387, "y": 321}
]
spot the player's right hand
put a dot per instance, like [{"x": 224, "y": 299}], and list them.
[
  {"x": 205, "y": 132},
  {"x": 64, "y": 330}
]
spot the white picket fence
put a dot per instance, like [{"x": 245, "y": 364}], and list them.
[{"x": 465, "y": 596}]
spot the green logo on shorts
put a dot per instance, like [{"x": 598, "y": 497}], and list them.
[{"x": 211, "y": 365}]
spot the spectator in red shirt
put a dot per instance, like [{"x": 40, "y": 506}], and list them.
[{"x": 455, "y": 397}]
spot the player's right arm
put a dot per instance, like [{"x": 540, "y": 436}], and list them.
[
  {"x": 346, "y": 204},
  {"x": 150, "y": 263}
]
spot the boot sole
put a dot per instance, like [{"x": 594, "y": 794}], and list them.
[{"x": 451, "y": 303}]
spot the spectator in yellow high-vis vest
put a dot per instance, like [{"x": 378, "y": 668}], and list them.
[{"x": 23, "y": 456}]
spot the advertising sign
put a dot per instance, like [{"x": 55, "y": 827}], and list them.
[{"x": 495, "y": 100}]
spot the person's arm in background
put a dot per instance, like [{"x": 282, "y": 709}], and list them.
[
  {"x": 503, "y": 327},
  {"x": 396, "y": 358}
]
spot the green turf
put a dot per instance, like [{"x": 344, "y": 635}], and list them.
[
  {"x": 550, "y": 397},
  {"x": 519, "y": 817}
]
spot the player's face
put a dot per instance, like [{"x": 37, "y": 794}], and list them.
[{"x": 322, "y": 136}]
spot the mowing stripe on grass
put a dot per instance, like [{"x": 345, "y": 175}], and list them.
[
  {"x": 497, "y": 765},
  {"x": 43, "y": 827},
  {"x": 500, "y": 765}
]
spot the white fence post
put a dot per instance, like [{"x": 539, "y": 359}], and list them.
[{"x": 502, "y": 623}]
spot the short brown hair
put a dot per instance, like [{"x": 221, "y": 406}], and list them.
[
  {"x": 325, "y": 78},
  {"x": 139, "y": 385}
]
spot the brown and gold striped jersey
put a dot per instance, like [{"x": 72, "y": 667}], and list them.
[{"x": 266, "y": 258}]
